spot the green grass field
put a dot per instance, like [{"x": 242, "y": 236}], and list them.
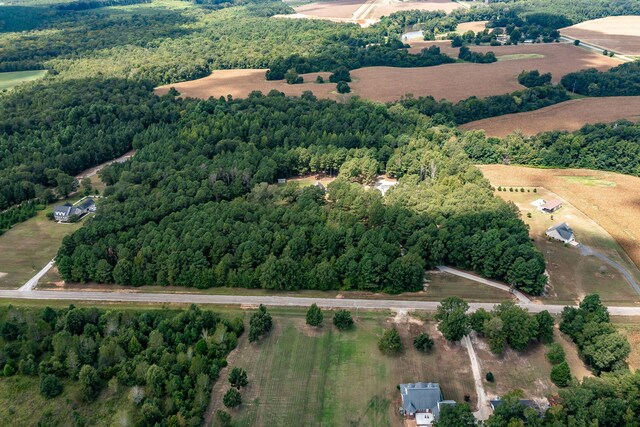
[
  {"x": 14, "y": 78},
  {"x": 29, "y": 246},
  {"x": 518, "y": 56},
  {"x": 302, "y": 376}
]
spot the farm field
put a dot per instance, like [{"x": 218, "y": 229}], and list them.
[
  {"x": 302, "y": 376},
  {"x": 571, "y": 275},
  {"x": 475, "y": 26},
  {"x": 570, "y": 116},
  {"x": 604, "y": 216},
  {"x": 620, "y": 34},
  {"x": 12, "y": 79}
]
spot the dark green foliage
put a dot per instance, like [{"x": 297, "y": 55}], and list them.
[
  {"x": 546, "y": 325},
  {"x": 343, "y": 87},
  {"x": 223, "y": 419},
  {"x": 561, "y": 374},
  {"x": 232, "y": 398},
  {"x": 555, "y": 353},
  {"x": 489, "y": 377},
  {"x": 342, "y": 320},
  {"x": 17, "y": 214},
  {"x": 482, "y": 58},
  {"x": 50, "y": 386},
  {"x": 623, "y": 80},
  {"x": 423, "y": 342},
  {"x": 458, "y": 415},
  {"x": 477, "y": 319},
  {"x": 454, "y": 322},
  {"x": 341, "y": 74},
  {"x": 601, "y": 346},
  {"x": 238, "y": 378},
  {"x": 533, "y": 78},
  {"x": 314, "y": 316},
  {"x": 390, "y": 342},
  {"x": 260, "y": 324},
  {"x": 292, "y": 77},
  {"x": 154, "y": 350}
]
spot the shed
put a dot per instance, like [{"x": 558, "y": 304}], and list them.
[{"x": 551, "y": 206}]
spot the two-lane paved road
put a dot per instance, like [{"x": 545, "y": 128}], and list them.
[{"x": 279, "y": 301}]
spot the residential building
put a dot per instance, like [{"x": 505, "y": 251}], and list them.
[
  {"x": 423, "y": 402},
  {"x": 561, "y": 232}
]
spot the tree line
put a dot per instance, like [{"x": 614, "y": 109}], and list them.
[
  {"x": 623, "y": 80},
  {"x": 166, "y": 361}
]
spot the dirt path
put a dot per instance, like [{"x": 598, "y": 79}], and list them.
[{"x": 483, "y": 411}]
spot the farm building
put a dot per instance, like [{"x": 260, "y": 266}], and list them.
[
  {"x": 65, "y": 212},
  {"x": 422, "y": 401},
  {"x": 561, "y": 232},
  {"x": 552, "y": 206}
]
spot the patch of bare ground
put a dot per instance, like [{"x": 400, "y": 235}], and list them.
[
  {"x": 610, "y": 199},
  {"x": 620, "y": 34},
  {"x": 578, "y": 368},
  {"x": 569, "y": 116},
  {"x": 387, "y": 7},
  {"x": 528, "y": 370},
  {"x": 330, "y": 9},
  {"x": 475, "y": 26}
]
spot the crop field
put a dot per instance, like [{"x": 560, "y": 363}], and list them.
[
  {"x": 475, "y": 26},
  {"x": 302, "y": 376},
  {"x": 387, "y": 7},
  {"x": 602, "y": 209},
  {"x": 14, "y": 78},
  {"x": 531, "y": 375},
  {"x": 387, "y": 84},
  {"x": 570, "y": 116},
  {"x": 330, "y": 9},
  {"x": 620, "y": 34}
]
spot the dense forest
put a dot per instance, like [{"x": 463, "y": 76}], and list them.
[
  {"x": 623, "y": 80},
  {"x": 185, "y": 172},
  {"x": 165, "y": 360}
]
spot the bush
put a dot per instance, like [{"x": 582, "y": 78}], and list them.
[
  {"x": 390, "y": 342},
  {"x": 232, "y": 398},
  {"x": 576, "y": 42},
  {"x": 489, "y": 377},
  {"x": 342, "y": 320},
  {"x": 423, "y": 342},
  {"x": 223, "y": 419},
  {"x": 259, "y": 324},
  {"x": 292, "y": 77},
  {"x": 561, "y": 374},
  {"x": 238, "y": 378},
  {"x": 314, "y": 316},
  {"x": 555, "y": 354},
  {"x": 50, "y": 386},
  {"x": 341, "y": 74},
  {"x": 343, "y": 87},
  {"x": 319, "y": 79}
]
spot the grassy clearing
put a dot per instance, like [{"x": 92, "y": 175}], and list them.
[
  {"x": 630, "y": 328},
  {"x": 22, "y": 404},
  {"x": 302, "y": 376},
  {"x": 528, "y": 371},
  {"x": 28, "y": 246},
  {"x": 517, "y": 56},
  {"x": 12, "y": 79},
  {"x": 578, "y": 368},
  {"x": 588, "y": 180},
  {"x": 571, "y": 275}
]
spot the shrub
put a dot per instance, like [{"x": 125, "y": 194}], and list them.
[
  {"x": 223, "y": 419},
  {"x": 259, "y": 324},
  {"x": 343, "y": 320},
  {"x": 423, "y": 342},
  {"x": 555, "y": 354},
  {"x": 319, "y": 79},
  {"x": 314, "y": 316},
  {"x": 561, "y": 374},
  {"x": 50, "y": 386},
  {"x": 238, "y": 378},
  {"x": 490, "y": 377},
  {"x": 232, "y": 398},
  {"x": 343, "y": 87},
  {"x": 576, "y": 42},
  {"x": 341, "y": 74},
  {"x": 389, "y": 342}
]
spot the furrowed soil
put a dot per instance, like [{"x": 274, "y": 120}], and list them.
[
  {"x": 570, "y": 116},
  {"x": 620, "y": 34}
]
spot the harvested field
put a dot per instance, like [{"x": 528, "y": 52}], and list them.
[
  {"x": 475, "y": 26},
  {"x": 330, "y": 9},
  {"x": 570, "y": 116},
  {"x": 609, "y": 199},
  {"x": 305, "y": 376},
  {"x": 387, "y": 84},
  {"x": 387, "y": 7},
  {"x": 618, "y": 33},
  {"x": 239, "y": 83}
]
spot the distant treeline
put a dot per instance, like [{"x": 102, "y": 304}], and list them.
[
  {"x": 95, "y": 4},
  {"x": 623, "y": 80},
  {"x": 17, "y": 214}
]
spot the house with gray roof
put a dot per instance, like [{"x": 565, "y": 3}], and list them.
[
  {"x": 64, "y": 213},
  {"x": 423, "y": 402},
  {"x": 561, "y": 232}
]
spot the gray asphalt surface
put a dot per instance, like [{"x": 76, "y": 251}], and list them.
[{"x": 274, "y": 301}]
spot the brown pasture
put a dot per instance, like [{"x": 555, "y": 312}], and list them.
[
  {"x": 610, "y": 199},
  {"x": 385, "y": 8},
  {"x": 330, "y": 9},
  {"x": 475, "y": 26},
  {"x": 618, "y": 33},
  {"x": 569, "y": 116}
]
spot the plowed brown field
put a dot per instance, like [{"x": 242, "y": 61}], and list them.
[
  {"x": 618, "y": 33},
  {"x": 330, "y": 9},
  {"x": 610, "y": 199},
  {"x": 570, "y": 116}
]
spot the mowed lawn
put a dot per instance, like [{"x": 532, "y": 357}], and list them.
[
  {"x": 27, "y": 247},
  {"x": 12, "y": 79},
  {"x": 307, "y": 377}
]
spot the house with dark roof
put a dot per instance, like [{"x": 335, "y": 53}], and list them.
[
  {"x": 422, "y": 401},
  {"x": 552, "y": 206},
  {"x": 88, "y": 205},
  {"x": 561, "y": 232},
  {"x": 64, "y": 213}
]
